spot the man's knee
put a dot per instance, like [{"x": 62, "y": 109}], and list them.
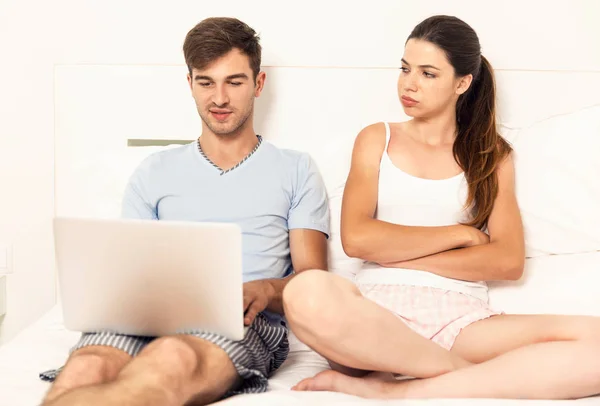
[
  {"x": 173, "y": 354},
  {"x": 107, "y": 352},
  {"x": 204, "y": 368},
  {"x": 92, "y": 365},
  {"x": 209, "y": 356}
]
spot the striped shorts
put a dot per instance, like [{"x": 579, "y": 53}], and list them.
[{"x": 262, "y": 351}]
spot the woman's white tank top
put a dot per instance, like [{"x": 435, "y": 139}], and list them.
[{"x": 412, "y": 201}]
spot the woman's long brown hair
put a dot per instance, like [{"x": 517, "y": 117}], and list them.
[{"x": 478, "y": 147}]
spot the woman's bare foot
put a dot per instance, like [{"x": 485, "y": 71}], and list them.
[{"x": 371, "y": 386}]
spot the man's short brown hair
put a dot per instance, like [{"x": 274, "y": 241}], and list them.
[{"x": 214, "y": 37}]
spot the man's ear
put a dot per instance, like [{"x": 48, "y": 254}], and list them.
[
  {"x": 189, "y": 79},
  {"x": 260, "y": 83}
]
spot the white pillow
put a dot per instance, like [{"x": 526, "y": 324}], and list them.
[
  {"x": 339, "y": 263},
  {"x": 557, "y": 163},
  {"x": 552, "y": 284},
  {"x": 509, "y": 133},
  {"x": 333, "y": 159},
  {"x": 111, "y": 174}
]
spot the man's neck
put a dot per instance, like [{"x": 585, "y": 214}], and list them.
[{"x": 226, "y": 151}]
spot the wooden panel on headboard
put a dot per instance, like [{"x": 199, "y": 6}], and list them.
[{"x": 135, "y": 142}]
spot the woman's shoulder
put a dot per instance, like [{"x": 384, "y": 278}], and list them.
[
  {"x": 371, "y": 135},
  {"x": 375, "y": 135},
  {"x": 369, "y": 144}
]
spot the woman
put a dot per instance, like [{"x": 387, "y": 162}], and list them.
[{"x": 418, "y": 195}]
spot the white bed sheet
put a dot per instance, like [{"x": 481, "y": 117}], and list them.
[{"x": 45, "y": 343}]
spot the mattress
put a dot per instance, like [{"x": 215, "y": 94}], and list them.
[{"x": 44, "y": 345}]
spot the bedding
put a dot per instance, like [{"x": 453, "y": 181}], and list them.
[{"x": 564, "y": 284}]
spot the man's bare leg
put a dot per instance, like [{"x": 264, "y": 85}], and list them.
[
  {"x": 169, "y": 371},
  {"x": 87, "y": 366}
]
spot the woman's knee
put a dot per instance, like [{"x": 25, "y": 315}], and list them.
[
  {"x": 588, "y": 328},
  {"x": 316, "y": 299},
  {"x": 569, "y": 328},
  {"x": 303, "y": 295}
]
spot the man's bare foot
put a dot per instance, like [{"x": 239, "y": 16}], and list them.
[{"x": 371, "y": 386}]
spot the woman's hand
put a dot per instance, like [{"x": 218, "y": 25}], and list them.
[{"x": 476, "y": 237}]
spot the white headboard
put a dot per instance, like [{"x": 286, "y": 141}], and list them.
[{"x": 319, "y": 110}]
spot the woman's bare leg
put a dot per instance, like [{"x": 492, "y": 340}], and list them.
[
  {"x": 329, "y": 314},
  {"x": 545, "y": 357}
]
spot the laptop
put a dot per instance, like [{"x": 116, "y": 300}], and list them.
[{"x": 150, "y": 278}]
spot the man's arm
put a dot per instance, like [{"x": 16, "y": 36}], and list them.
[
  {"x": 308, "y": 224},
  {"x": 308, "y": 249},
  {"x": 501, "y": 259},
  {"x": 136, "y": 202}
]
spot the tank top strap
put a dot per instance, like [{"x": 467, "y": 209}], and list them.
[
  {"x": 385, "y": 159},
  {"x": 387, "y": 135}
]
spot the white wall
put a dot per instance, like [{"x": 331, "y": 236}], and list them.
[{"x": 314, "y": 48}]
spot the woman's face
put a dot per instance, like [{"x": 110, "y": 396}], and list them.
[{"x": 427, "y": 85}]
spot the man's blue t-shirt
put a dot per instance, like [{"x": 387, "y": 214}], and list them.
[{"x": 271, "y": 192}]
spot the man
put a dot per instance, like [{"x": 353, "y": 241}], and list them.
[{"x": 230, "y": 174}]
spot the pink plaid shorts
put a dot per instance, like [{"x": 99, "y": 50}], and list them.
[{"x": 436, "y": 314}]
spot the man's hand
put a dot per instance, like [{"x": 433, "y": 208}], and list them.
[
  {"x": 257, "y": 296},
  {"x": 308, "y": 250}
]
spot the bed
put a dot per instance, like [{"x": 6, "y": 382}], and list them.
[{"x": 45, "y": 343}]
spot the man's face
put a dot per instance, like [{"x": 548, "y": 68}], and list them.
[{"x": 224, "y": 92}]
